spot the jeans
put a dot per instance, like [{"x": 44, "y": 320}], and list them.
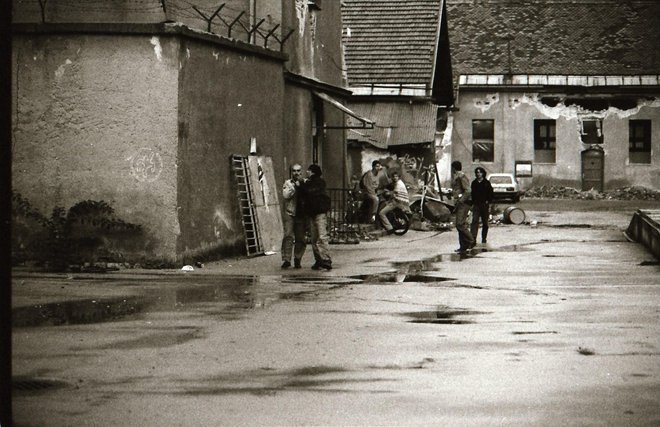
[
  {"x": 319, "y": 235},
  {"x": 294, "y": 231},
  {"x": 480, "y": 211},
  {"x": 465, "y": 238},
  {"x": 393, "y": 204},
  {"x": 372, "y": 199}
]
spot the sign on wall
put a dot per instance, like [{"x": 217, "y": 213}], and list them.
[{"x": 523, "y": 169}]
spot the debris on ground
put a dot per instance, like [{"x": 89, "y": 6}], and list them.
[{"x": 624, "y": 193}]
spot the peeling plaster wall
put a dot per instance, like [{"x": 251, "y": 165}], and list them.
[
  {"x": 514, "y": 115},
  {"x": 95, "y": 117},
  {"x": 226, "y": 98},
  {"x": 315, "y": 49}
]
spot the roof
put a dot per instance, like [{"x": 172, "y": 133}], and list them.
[
  {"x": 561, "y": 37},
  {"x": 396, "y": 123},
  {"x": 390, "y": 41}
]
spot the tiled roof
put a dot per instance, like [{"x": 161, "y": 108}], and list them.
[
  {"x": 396, "y": 123},
  {"x": 568, "y": 37},
  {"x": 390, "y": 41}
]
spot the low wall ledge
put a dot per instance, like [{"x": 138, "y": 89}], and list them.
[{"x": 146, "y": 29}]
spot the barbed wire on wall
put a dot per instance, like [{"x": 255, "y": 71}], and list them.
[{"x": 221, "y": 19}]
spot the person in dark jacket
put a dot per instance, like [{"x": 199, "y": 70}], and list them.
[
  {"x": 482, "y": 197},
  {"x": 315, "y": 204}
]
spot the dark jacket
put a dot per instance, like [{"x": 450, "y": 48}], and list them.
[
  {"x": 482, "y": 192},
  {"x": 312, "y": 197}
]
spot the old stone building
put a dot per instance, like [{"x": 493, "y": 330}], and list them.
[
  {"x": 399, "y": 70},
  {"x": 141, "y": 105},
  {"x": 558, "y": 92}
]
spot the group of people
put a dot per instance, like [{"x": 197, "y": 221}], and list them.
[
  {"x": 306, "y": 204},
  {"x": 376, "y": 181},
  {"x": 476, "y": 196}
]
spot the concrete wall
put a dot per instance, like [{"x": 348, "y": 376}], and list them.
[
  {"x": 315, "y": 48},
  {"x": 314, "y": 52},
  {"x": 514, "y": 114},
  {"x": 95, "y": 117},
  {"x": 226, "y": 98}
]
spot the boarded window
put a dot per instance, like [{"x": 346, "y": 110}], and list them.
[
  {"x": 592, "y": 131},
  {"x": 639, "y": 141},
  {"x": 483, "y": 140},
  {"x": 545, "y": 139}
]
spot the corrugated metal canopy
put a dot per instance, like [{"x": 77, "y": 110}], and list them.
[
  {"x": 396, "y": 123},
  {"x": 366, "y": 123}
]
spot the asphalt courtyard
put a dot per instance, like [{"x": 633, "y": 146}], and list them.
[{"x": 555, "y": 322}]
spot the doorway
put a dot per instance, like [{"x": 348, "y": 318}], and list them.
[{"x": 593, "y": 168}]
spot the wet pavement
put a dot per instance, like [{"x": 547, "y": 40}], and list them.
[{"x": 550, "y": 324}]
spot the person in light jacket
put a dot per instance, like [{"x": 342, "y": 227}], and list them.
[{"x": 294, "y": 225}]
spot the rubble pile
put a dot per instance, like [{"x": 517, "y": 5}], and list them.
[
  {"x": 633, "y": 193},
  {"x": 551, "y": 192},
  {"x": 624, "y": 193}
]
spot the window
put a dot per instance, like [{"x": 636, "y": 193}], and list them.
[
  {"x": 592, "y": 131},
  {"x": 545, "y": 139},
  {"x": 483, "y": 140},
  {"x": 639, "y": 141},
  {"x": 314, "y": 4}
]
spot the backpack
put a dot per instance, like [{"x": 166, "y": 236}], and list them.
[{"x": 362, "y": 187}]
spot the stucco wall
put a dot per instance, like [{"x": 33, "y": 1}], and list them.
[
  {"x": 95, "y": 117},
  {"x": 226, "y": 98},
  {"x": 315, "y": 49},
  {"x": 514, "y": 115}
]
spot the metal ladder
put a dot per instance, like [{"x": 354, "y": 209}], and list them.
[{"x": 241, "y": 173}]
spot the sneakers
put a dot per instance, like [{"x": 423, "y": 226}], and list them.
[
  {"x": 296, "y": 263},
  {"x": 286, "y": 264},
  {"x": 390, "y": 231}
]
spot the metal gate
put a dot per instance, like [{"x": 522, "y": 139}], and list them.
[{"x": 340, "y": 230}]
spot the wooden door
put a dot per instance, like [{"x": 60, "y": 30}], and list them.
[{"x": 592, "y": 169}]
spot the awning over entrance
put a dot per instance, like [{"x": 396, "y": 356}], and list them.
[
  {"x": 365, "y": 123},
  {"x": 397, "y": 123}
]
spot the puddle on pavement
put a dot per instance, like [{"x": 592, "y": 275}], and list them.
[
  {"x": 236, "y": 292},
  {"x": 399, "y": 277},
  {"x": 329, "y": 280},
  {"x": 443, "y": 316},
  {"x": 77, "y": 312}
]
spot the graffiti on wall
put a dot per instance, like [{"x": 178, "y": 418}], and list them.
[{"x": 146, "y": 165}]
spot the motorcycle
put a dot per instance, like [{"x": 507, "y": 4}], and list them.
[{"x": 358, "y": 212}]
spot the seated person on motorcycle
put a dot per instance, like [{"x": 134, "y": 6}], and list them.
[
  {"x": 372, "y": 183},
  {"x": 399, "y": 199}
]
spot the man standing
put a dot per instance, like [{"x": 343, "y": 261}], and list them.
[
  {"x": 294, "y": 222},
  {"x": 482, "y": 197},
  {"x": 399, "y": 200},
  {"x": 371, "y": 183},
  {"x": 461, "y": 192},
  {"x": 315, "y": 205}
]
